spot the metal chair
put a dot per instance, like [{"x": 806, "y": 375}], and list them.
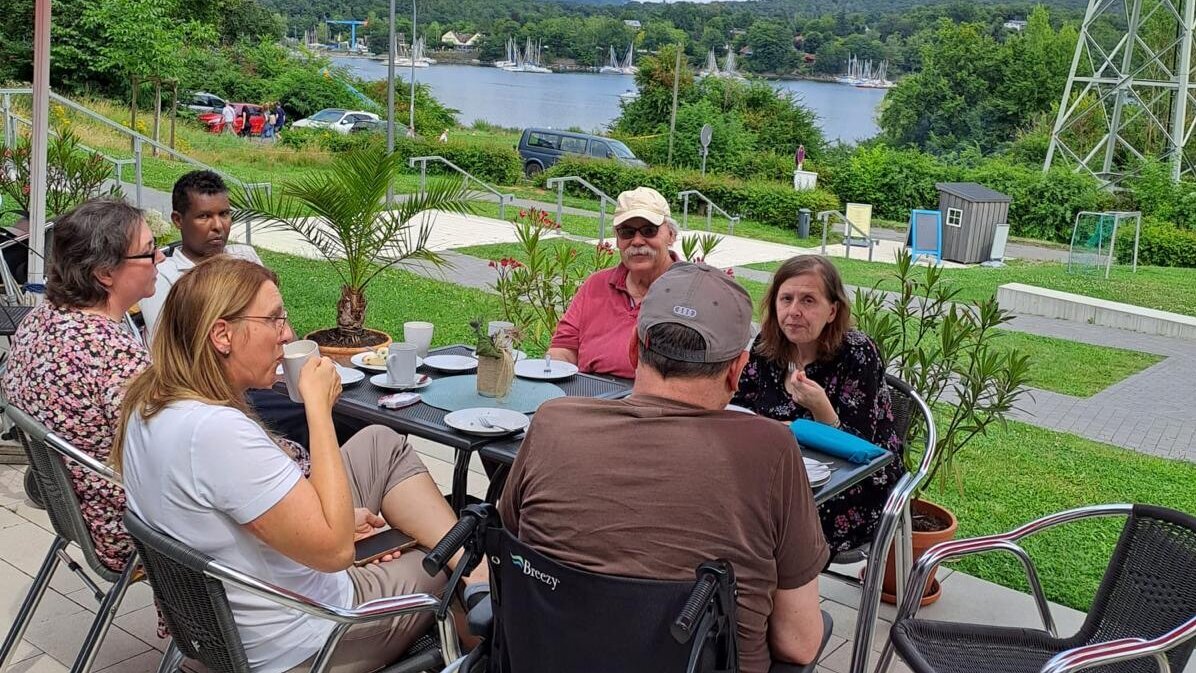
[
  {"x": 47, "y": 454},
  {"x": 541, "y": 616},
  {"x": 1143, "y": 618},
  {"x": 189, "y": 588}
]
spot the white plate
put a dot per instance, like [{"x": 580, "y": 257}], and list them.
[
  {"x": 742, "y": 410},
  {"x": 359, "y": 361},
  {"x": 451, "y": 363},
  {"x": 535, "y": 369},
  {"x": 381, "y": 381},
  {"x": 349, "y": 376},
  {"x": 466, "y": 420},
  {"x": 516, "y": 353},
  {"x": 818, "y": 473}
]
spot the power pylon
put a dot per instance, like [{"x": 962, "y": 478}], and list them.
[{"x": 1129, "y": 95}]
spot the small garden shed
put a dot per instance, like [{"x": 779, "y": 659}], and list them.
[{"x": 971, "y": 213}]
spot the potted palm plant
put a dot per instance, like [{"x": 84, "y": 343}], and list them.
[
  {"x": 342, "y": 213},
  {"x": 947, "y": 351}
]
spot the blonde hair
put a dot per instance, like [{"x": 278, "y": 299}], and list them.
[{"x": 186, "y": 365}]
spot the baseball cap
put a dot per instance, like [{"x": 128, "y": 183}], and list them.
[
  {"x": 703, "y": 299},
  {"x": 642, "y": 202}
]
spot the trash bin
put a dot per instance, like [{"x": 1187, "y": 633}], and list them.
[{"x": 803, "y": 223}]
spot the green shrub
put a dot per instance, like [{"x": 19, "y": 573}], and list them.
[
  {"x": 769, "y": 166},
  {"x": 770, "y": 203},
  {"x": 489, "y": 163},
  {"x": 1044, "y": 205},
  {"x": 299, "y": 139},
  {"x": 1161, "y": 244},
  {"x": 894, "y": 181},
  {"x": 1154, "y": 193}
]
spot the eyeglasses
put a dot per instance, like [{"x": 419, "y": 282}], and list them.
[
  {"x": 152, "y": 254},
  {"x": 628, "y": 233},
  {"x": 280, "y": 321}
]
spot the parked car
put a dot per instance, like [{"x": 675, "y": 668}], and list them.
[
  {"x": 257, "y": 119},
  {"x": 201, "y": 101},
  {"x": 541, "y": 148},
  {"x": 376, "y": 126},
  {"x": 335, "y": 119}
]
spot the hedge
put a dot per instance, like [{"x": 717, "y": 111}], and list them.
[
  {"x": 766, "y": 202},
  {"x": 499, "y": 165},
  {"x": 1161, "y": 244}
]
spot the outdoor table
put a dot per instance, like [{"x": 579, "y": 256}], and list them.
[
  {"x": 844, "y": 476},
  {"x": 360, "y": 401}
]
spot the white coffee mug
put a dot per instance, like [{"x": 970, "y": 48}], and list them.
[
  {"x": 420, "y": 334},
  {"x": 400, "y": 364},
  {"x": 497, "y": 326},
  {"x": 294, "y": 356}
]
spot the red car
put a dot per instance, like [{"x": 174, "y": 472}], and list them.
[{"x": 257, "y": 119}]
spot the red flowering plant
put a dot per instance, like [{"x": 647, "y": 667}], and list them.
[
  {"x": 537, "y": 285},
  {"x": 73, "y": 175}
]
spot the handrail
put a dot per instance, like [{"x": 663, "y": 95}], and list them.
[
  {"x": 503, "y": 199},
  {"x": 848, "y": 227},
  {"x": 732, "y": 219},
  {"x": 603, "y": 197},
  {"x": 118, "y": 163}
]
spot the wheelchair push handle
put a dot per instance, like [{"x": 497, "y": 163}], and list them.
[
  {"x": 682, "y": 627},
  {"x": 451, "y": 543}
]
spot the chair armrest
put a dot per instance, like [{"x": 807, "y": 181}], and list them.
[
  {"x": 1007, "y": 542},
  {"x": 380, "y": 608},
  {"x": 480, "y": 611},
  {"x": 455, "y": 666},
  {"x": 1125, "y": 649}
]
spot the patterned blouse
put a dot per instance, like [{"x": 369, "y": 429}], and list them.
[
  {"x": 68, "y": 369},
  {"x": 854, "y": 382}
]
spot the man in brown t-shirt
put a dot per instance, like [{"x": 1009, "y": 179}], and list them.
[{"x": 653, "y": 485}]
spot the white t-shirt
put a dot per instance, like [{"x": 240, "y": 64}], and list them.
[
  {"x": 170, "y": 271},
  {"x": 199, "y": 472}
]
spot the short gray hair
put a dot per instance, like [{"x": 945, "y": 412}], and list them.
[
  {"x": 672, "y": 225},
  {"x": 92, "y": 237}
]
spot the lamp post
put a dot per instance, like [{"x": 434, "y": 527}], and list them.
[
  {"x": 390, "y": 97},
  {"x": 411, "y": 105}
]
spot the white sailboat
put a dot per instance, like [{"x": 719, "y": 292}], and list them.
[
  {"x": 627, "y": 66},
  {"x": 528, "y": 60},
  {"x": 711, "y": 67},
  {"x": 509, "y": 60},
  {"x": 877, "y": 80},
  {"x": 612, "y": 66},
  {"x": 410, "y": 56},
  {"x": 729, "y": 70}
]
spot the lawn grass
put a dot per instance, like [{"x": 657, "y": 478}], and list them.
[
  {"x": 1021, "y": 472},
  {"x": 1162, "y": 288},
  {"x": 311, "y": 288}
]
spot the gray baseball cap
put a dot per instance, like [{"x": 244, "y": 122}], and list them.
[{"x": 705, "y": 300}]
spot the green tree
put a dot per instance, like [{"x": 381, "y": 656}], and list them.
[{"x": 772, "y": 47}]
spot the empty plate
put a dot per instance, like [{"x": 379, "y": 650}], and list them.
[
  {"x": 515, "y": 353},
  {"x": 383, "y": 381},
  {"x": 497, "y": 421},
  {"x": 543, "y": 370},
  {"x": 451, "y": 363},
  {"x": 359, "y": 360},
  {"x": 818, "y": 472}
]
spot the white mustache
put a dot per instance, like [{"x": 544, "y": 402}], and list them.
[{"x": 645, "y": 250}]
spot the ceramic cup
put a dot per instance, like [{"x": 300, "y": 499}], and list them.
[
  {"x": 294, "y": 356},
  {"x": 420, "y": 334},
  {"x": 400, "y": 364}
]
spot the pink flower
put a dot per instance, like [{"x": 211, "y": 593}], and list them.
[
  {"x": 730, "y": 272},
  {"x": 493, "y": 265}
]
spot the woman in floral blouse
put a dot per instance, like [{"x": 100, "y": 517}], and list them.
[
  {"x": 807, "y": 362},
  {"x": 72, "y": 356}
]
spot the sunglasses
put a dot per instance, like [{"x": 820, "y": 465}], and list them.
[{"x": 628, "y": 233}]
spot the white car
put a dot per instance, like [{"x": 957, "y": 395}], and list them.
[{"x": 335, "y": 119}]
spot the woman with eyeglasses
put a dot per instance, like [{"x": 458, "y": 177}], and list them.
[
  {"x": 596, "y": 331},
  {"x": 72, "y": 356},
  {"x": 198, "y": 466}
]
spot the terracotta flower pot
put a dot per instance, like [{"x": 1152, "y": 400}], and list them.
[
  {"x": 921, "y": 542},
  {"x": 343, "y": 353}
]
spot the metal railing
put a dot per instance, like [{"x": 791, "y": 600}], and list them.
[
  {"x": 10, "y": 119},
  {"x": 732, "y": 220},
  {"x": 848, "y": 227},
  {"x": 503, "y": 198},
  {"x": 603, "y": 198}
]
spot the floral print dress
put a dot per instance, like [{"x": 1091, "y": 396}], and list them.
[
  {"x": 854, "y": 382},
  {"x": 69, "y": 370}
]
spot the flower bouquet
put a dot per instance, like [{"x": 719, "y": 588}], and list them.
[{"x": 496, "y": 360}]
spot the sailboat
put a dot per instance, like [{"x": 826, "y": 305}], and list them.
[
  {"x": 612, "y": 66},
  {"x": 711, "y": 67},
  {"x": 877, "y": 80},
  {"x": 412, "y": 56},
  {"x": 627, "y": 66},
  {"x": 528, "y": 60},
  {"x": 509, "y": 60},
  {"x": 729, "y": 70}
]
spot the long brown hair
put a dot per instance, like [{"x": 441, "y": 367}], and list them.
[
  {"x": 773, "y": 344},
  {"x": 185, "y": 364}
]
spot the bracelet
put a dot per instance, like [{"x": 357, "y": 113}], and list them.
[{"x": 837, "y": 424}]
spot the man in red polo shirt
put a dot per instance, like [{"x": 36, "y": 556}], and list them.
[{"x": 596, "y": 329}]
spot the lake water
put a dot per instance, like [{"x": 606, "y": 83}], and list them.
[{"x": 591, "y": 101}]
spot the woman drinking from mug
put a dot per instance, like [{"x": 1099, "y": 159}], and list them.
[
  {"x": 808, "y": 362},
  {"x": 198, "y": 466}
]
